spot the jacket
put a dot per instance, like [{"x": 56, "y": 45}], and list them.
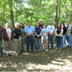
[
  {"x": 38, "y": 32},
  {"x": 5, "y": 36},
  {"x": 17, "y": 33},
  {"x": 59, "y": 33}
]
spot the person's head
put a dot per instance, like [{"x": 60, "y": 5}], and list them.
[
  {"x": 17, "y": 25},
  {"x": 21, "y": 25},
  {"x": 51, "y": 22},
  {"x": 67, "y": 22},
  {"x": 41, "y": 21},
  {"x": 29, "y": 23},
  {"x": 37, "y": 24},
  {"x": 59, "y": 26},
  {"x": 62, "y": 23},
  {"x": 7, "y": 25},
  {"x": 44, "y": 26}
]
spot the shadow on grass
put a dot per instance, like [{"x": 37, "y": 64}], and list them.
[{"x": 51, "y": 60}]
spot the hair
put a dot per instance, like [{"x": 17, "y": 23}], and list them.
[
  {"x": 60, "y": 26},
  {"x": 67, "y": 20},
  {"x": 44, "y": 25},
  {"x": 28, "y": 21},
  {"x": 37, "y": 22},
  {"x": 6, "y": 24},
  {"x": 63, "y": 23},
  {"x": 22, "y": 25},
  {"x": 16, "y": 24}
]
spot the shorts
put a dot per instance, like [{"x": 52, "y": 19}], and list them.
[{"x": 45, "y": 41}]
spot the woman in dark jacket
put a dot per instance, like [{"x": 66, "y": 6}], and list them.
[
  {"x": 37, "y": 37},
  {"x": 17, "y": 38},
  {"x": 64, "y": 32}
]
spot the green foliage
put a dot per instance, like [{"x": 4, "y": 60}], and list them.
[{"x": 35, "y": 10}]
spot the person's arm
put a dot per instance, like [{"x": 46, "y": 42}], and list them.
[
  {"x": 56, "y": 32},
  {"x": 36, "y": 33},
  {"x": 61, "y": 32},
  {"x": 4, "y": 33},
  {"x": 33, "y": 31},
  {"x": 40, "y": 33},
  {"x": 46, "y": 34}
]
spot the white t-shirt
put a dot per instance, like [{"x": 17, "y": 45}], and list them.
[
  {"x": 8, "y": 32},
  {"x": 44, "y": 32},
  {"x": 51, "y": 29}
]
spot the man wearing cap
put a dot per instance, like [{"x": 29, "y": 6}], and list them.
[
  {"x": 1, "y": 49},
  {"x": 68, "y": 34},
  {"x": 41, "y": 23},
  {"x": 29, "y": 30},
  {"x": 51, "y": 30}
]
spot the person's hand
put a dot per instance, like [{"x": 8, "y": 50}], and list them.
[
  {"x": 22, "y": 37},
  {"x": 9, "y": 39},
  {"x": 44, "y": 37},
  {"x": 29, "y": 34},
  {"x": 38, "y": 36},
  {"x": 51, "y": 35}
]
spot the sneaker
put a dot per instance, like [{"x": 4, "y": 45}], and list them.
[
  {"x": 46, "y": 50},
  {"x": 56, "y": 48},
  {"x": 35, "y": 50},
  {"x": 6, "y": 54},
  {"x": 39, "y": 50},
  {"x": 59, "y": 48},
  {"x": 43, "y": 49}
]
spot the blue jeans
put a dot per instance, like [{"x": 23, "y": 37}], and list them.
[
  {"x": 1, "y": 49},
  {"x": 63, "y": 42},
  {"x": 71, "y": 40},
  {"x": 68, "y": 39},
  {"x": 50, "y": 39},
  {"x": 58, "y": 42},
  {"x": 30, "y": 39},
  {"x": 22, "y": 45},
  {"x": 37, "y": 43}
]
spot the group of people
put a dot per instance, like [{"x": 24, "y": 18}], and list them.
[{"x": 42, "y": 35}]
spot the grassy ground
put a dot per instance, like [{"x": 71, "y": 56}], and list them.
[{"x": 51, "y": 61}]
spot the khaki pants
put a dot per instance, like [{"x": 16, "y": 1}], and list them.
[
  {"x": 17, "y": 45},
  {"x": 8, "y": 45}
]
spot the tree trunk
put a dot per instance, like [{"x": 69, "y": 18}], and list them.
[
  {"x": 12, "y": 18},
  {"x": 57, "y": 17},
  {"x": 11, "y": 13}
]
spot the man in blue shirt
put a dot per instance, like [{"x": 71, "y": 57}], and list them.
[{"x": 29, "y": 30}]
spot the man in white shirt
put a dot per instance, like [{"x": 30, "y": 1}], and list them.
[
  {"x": 51, "y": 30},
  {"x": 68, "y": 34}
]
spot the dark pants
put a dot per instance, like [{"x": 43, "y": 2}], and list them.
[
  {"x": 37, "y": 44},
  {"x": 22, "y": 45},
  {"x": 30, "y": 39},
  {"x": 50, "y": 39},
  {"x": 1, "y": 49},
  {"x": 58, "y": 42}
]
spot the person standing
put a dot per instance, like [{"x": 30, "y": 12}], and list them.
[
  {"x": 59, "y": 34},
  {"x": 45, "y": 37},
  {"x": 29, "y": 30},
  {"x": 71, "y": 36},
  {"x": 8, "y": 37},
  {"x": 38, "y": 33},
  {"x": 68, "y": 34},
  {"x": 64, "y": 32},
  {"x": 51, "y": 30},
  {"x": 41, "y": 23},
  {"x": 1, "y": 30},
  {"x": 22, "y": 37},
  {"x": 17, "y": 38}
]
